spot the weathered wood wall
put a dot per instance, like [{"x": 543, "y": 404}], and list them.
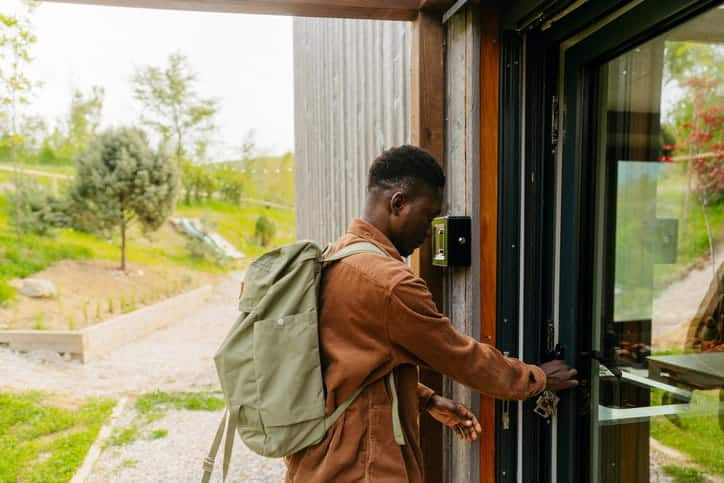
[
  {"x": 462, "y": 166},
  {"x": 352, "y": 101}
]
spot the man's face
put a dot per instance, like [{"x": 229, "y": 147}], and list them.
[{"x": 411, "y": 213}]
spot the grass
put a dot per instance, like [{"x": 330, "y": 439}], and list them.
[
  {"x": 68, "y": 170},
  {"x": 684, "y": 475},
  {"x": 129, "y": 463},
  {"x": 153, "y": 406},
  {"x": 46, "y": 443},
  {"x": 154, "y": 402},
  {"x": 164, "y": 247},
  {"x": 699, "y": 437},
  {"x": 237, "y": 223},
  {"x": 122, "y": 437}
]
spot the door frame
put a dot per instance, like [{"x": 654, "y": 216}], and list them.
[{"x": 549, "y": 207}]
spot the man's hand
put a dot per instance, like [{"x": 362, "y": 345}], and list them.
[
  {"x": 560, "y": 376},
  {"x": 455, "y": 416}
]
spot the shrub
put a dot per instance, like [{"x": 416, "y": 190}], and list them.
[{"x": 264, "y": 231}]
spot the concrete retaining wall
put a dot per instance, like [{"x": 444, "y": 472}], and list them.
[{"x": 94, "y": 341}]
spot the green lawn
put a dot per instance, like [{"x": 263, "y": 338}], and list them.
[
  {"x": 68, "y": 170},
  {"x": 162, "y": 247},
  {"x": 237, "y": 224},
  {"x": 43, "y": 440},
  {"x": 699, "y": 437}
]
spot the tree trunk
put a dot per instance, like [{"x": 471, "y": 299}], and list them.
[
  {"x": 123, "y": 242},
  {"x": 19, "y": 194}
]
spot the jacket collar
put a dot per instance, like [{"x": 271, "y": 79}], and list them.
[{"x": 368, "y": 231}]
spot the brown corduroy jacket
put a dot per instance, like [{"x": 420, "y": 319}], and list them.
[{"x": 376, "y": 316}]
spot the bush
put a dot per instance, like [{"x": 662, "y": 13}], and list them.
[
  {"x": 33, "y": 210},
  {"x": 264, "y": 231}
]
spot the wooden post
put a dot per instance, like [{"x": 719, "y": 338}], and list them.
[
  {"x": 489, "y": 99},
  {"x": 427, "y": 132}
]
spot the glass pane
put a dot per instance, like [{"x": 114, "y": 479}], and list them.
[{"x": 659, "y": 386}]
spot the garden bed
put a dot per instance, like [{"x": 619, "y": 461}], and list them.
[
  {"x": 91, "y": 291},
  {"x": 95, "y": 340}
]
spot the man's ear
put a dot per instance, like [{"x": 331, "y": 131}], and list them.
[{"x": 397, "y": 202}]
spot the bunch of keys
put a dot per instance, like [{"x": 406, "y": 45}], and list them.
[{"x": 546, "y": 404}]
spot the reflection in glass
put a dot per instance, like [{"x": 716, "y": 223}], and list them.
[{"x": 660, "y": 408}]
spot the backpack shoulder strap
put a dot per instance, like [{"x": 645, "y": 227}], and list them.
[{"x": 354, "y": 249}]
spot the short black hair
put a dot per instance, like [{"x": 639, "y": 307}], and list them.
[{"x": 405, "y": 165}]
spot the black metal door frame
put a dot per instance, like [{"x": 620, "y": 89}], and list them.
[
  {"x": 547, "y": 130},
  {"x": 579, "y": 97}
]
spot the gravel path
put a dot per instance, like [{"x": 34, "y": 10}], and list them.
[
  {"x": 178, "y": 457},
  {"x": 178, "y": 358}
]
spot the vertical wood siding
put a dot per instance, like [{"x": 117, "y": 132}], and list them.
[{"x": 351, "y": 102}]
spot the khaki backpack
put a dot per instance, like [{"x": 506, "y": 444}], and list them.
[{"x": 269, "y": 364}]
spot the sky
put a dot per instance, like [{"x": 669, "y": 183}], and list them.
[{"x": 245, "y": 61}]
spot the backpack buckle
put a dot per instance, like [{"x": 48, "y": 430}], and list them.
[{"x": 208, "y": 464}]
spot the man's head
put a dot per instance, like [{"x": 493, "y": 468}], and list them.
[{"x": 404, "y": 193}]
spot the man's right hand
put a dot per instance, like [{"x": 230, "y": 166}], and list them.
[{"x": 559, "y": 375}]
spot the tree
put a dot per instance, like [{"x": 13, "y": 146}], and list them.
[
  {"x": 697, "y": 123},
  {"x": 79, "y": 128},
  {"x": 121, "y": 181},
  {"x": 16, "y": 40},
  {"x": 701, "y": 142},
  {"x": 173, "y": 108}
]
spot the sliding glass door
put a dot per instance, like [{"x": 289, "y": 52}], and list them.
[{"x": 641, "y": 252}]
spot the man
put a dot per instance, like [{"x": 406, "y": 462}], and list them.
[{"x": 376, "y": 316}]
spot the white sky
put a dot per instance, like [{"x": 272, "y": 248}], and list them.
[{"x": 243, "y": 60}]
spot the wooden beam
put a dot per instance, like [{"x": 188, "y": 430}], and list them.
[
  {"x": 489, "y": 110},
  {"x": 363, "y": 9},
  {"x": 426, "y": 130}
]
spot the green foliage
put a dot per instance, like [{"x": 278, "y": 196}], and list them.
[
  {"x": 264, "y": 230},
  {"x": 154, "y": 406},
  {"x": 40, "y": 443},
  {"x": 173, "y": 108},
  {"x": 16, "y": 41},
  {"x": 684, "y": 475},
  {"x": 237, "y": 223},
  {"x": 230, "y": 183},
  {"x": 39, "y": 253},
  {"x": 683, "y": 60},
  {"x": 121, "y": 181},
  {"x": 33, "y": 209},
  {"x": 125, "y": 436},
  {"x": 76, "y": 131},
  {"x": 198, "y": 182},
  {"x": 158, "y": 434},
  {"x": 159, "y": 402},
  {"x": 270, "y": 178},
  {"x": 39, "y": 321},
  {"x": 7, "y": 293}
]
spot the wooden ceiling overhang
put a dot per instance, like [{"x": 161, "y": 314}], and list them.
[{"x": 362, "y": 9}]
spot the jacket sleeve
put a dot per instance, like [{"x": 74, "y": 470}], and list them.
[
  {"x": 421, "y": 334},
  {"x": 424, "y": 394}
]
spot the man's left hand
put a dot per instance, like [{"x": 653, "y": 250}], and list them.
[{"x": 455, "y": 416}]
